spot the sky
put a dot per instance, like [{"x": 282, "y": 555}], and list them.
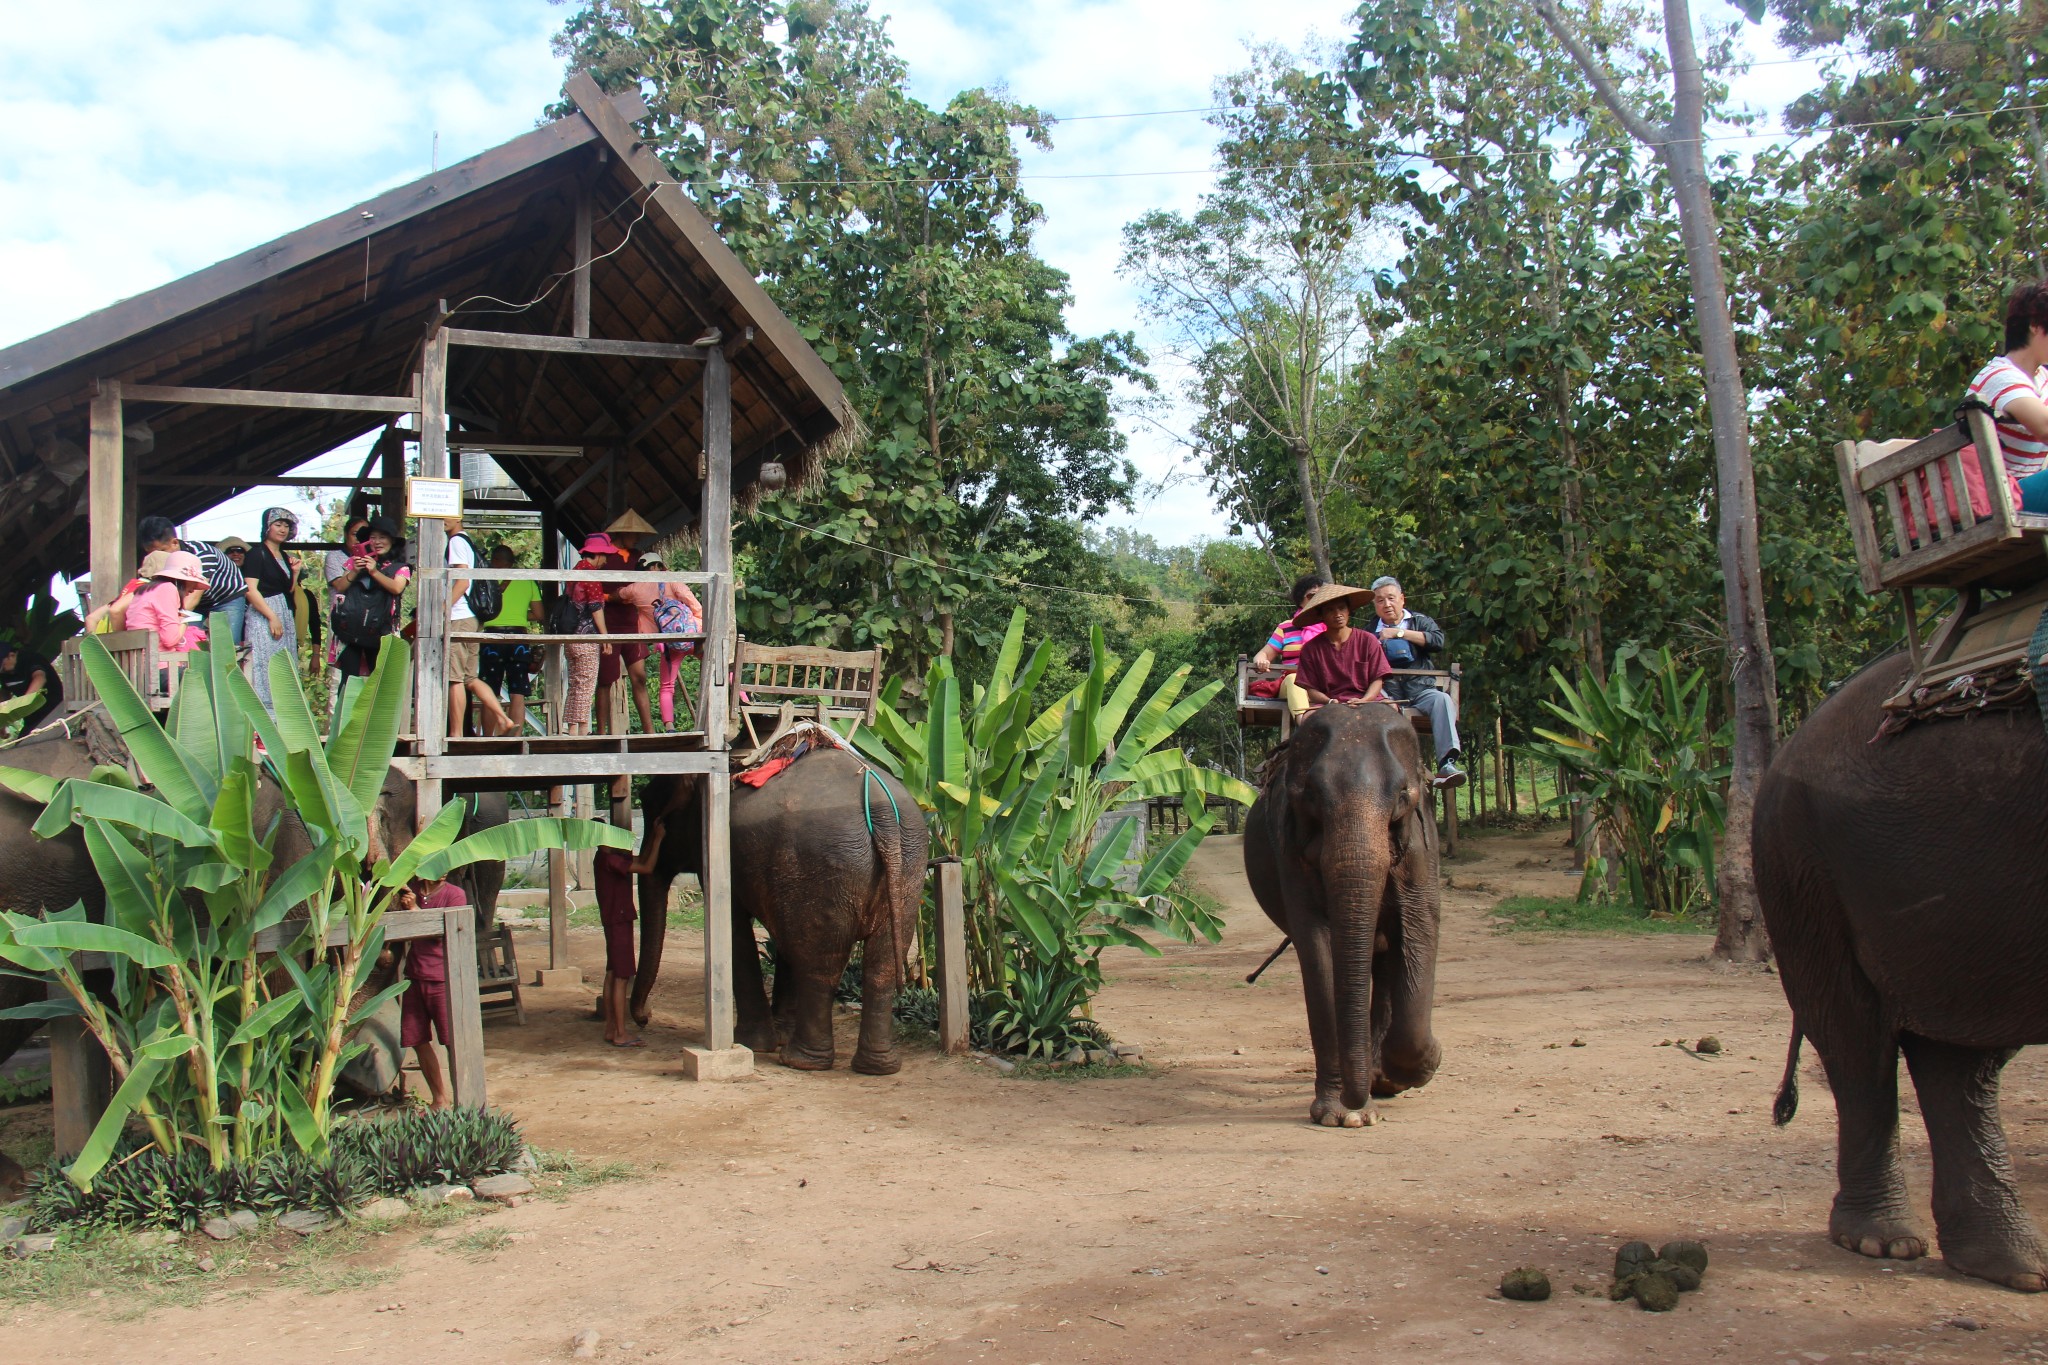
[{"x": 153, "y": 139}]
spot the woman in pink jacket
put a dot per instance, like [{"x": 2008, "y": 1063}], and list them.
[{"x": 162, "y": 605}]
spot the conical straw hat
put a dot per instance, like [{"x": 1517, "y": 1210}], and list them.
[
  {"x": 1328, "y": 595},
  {"x": 631, "y": 524}
]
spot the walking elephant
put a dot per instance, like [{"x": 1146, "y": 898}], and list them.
[
  {"x": 828, "y": 855},
  {"x": 1340, "y": 850},
  {"x": 1903, "y": 884}
]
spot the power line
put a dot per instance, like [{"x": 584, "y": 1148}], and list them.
[{"x": 945, "y": 568}]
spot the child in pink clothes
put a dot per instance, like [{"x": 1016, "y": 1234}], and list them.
[{"x": 162, "y": 605}]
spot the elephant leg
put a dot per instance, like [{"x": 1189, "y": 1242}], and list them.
[
  {"x": 784, "y": 1007},
  {"x": 879, "y": 980},
  {"x": 1319, "y": 988},
  {"x": 810, "y": 1046},
  {"x": 1984, "y": 1230},
  {"x": 1870, "y": 1214},
  {"x": 1404, "y": 976},
  {"x": 752, "y": 1027}
]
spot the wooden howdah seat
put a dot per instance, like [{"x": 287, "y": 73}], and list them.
[
  {"x": 1951, "y": 520},
  {"x": 787, "y": 683}
]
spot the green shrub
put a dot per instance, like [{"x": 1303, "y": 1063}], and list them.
[
  {"x": 143, "y": 1188},
  {"x": 1641, "y": 754}
]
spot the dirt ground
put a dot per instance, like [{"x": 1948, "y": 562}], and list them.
[{"x": 950, "y": 1214}]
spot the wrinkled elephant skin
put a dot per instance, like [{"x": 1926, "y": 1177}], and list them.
[
  {"x": 1903, "y": 886},
  {"x": 804, "y": 864},
  {"x": 1340, "y": 850}
]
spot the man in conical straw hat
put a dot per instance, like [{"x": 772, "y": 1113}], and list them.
[
  {"x": 627, "y": 531},
  {"x": 1341, "y": 664}
]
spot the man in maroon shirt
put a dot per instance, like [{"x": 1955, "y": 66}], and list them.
[{"x": 1341, "y": 664}]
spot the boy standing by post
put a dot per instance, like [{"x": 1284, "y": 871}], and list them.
[
  {"x": 423, "y": 1010},
  {"x": 615, "y": 872}
]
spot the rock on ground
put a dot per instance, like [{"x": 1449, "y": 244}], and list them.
[
  {"x": 584, "y": 1343},
  {"x": 220, "y": 1229},
  {"x": 507, "y": 1186},
  {"x": 384, "y": 1210},
  {"x": 34, "y": 1244},
  {"x": 305, "y": 1222},
  {"x": 441, "y": 1194}
]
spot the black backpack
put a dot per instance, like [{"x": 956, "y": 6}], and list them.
[
  {"x": 364, "y": 613},
  {"x": 486, "y": 596}
]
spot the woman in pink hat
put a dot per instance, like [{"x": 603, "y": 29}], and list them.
[
  {"x": 588, "y": 599},
  {"x": 161, "y": 607}
]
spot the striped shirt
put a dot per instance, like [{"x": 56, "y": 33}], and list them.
[
  {"x": 1286, "y": 642},
  {"x": 1997, "y": 384},
  {"x": 224, "y": 582}
]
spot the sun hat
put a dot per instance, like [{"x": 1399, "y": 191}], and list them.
[
  {"x": 387, "y": 528},
  {"x": 600, "y": 543},
  {"x": 182, "y": 566},
  {"x": 630, "y": 524},
  {"x": 152, "y": 565},
  {"x": 651, "y": 560},
  {"x": 1329, "y": 595},
  {"x": 226, "y": 543},
  {"x": 273, "y": 515}
]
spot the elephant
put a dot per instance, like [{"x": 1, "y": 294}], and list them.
[
  {"x": 1341, "y": 851},
  {"x": 829, "y": 854},
  {"x": 1902, "y": 885},
  {"x": 40, "y": 874}
]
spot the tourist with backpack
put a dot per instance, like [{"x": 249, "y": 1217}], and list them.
[
  {"x": 469, "y": 601},
  {"x": 366, "y": 600}
]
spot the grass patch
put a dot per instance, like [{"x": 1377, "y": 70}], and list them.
[
  {"x": 685, "y": 911},
  {"x": 564, "y": 1173},
  {"x": 479, "y": 1245},
  {"x": 1563, "y": 914}
]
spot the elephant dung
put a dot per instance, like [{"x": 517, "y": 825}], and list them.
[
  {"x": 1686, "y": 1253},
  {"x": 1632, "y": 1258},
  {"x": 1655, "y": 1293},
  {"x": 1525, "y": 1284},
  {"x": 1710, "y": 1045}
]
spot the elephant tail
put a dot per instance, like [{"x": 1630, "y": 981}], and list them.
[{"x": 1787, "y": 1103}]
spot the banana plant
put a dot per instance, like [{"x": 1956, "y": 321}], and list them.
[
  {"x": 231, "y": 1006},
  {"x": 1017, "y": 789}
]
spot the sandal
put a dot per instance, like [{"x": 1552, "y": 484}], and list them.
[{"x": 630, "y": 1042}]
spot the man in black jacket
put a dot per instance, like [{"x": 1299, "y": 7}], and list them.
[{"x": 1412, "y": 640}]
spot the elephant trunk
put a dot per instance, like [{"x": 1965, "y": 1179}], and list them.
[
  {"x": 1355, "y": 874},
  {"x": 654, "y": 890}
]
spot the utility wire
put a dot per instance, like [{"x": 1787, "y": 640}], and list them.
[{"x": 944, "y": 568}]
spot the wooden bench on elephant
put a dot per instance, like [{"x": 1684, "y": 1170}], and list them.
[
  {"x": 1255, "y": 710},
  {"x": 153, "y": 671},
  {"x": 786, "y": 683}
]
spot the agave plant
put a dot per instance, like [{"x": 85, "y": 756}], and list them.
[{"x": 230, "y": 1011}]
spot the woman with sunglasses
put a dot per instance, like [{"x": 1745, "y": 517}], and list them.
[{"x": 274, "y": 574}]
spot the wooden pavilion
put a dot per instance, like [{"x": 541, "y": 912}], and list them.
[{"x": 557, "y": 302}]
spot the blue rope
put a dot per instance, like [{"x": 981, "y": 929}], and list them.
[{"x": 867, "y": 803}]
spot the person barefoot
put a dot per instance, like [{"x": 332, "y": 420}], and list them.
[
  {"x": 424, "y": 1017},
  {"x": 615, "y": 911}
]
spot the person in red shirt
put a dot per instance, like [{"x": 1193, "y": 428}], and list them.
[
  {"x": 615, "y": 911},
  {"x": 423, "y": 1010},
  {"x": 1341, "y": 664}
]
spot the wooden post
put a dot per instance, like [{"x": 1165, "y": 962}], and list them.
[
  {"x": 580, "y": 310},
  {"x": 394, "y": 476},
  {"x": 106, "y": 488},
  {"x": 952, "y": 925},
  {"x": 80, "y": 1081},
  {"x": 1500, "y": 769},
  {"x": 466, "y": 1048},
  {"x": 715, "y": 515},
  {"x": 558, "y": 972},
  {"x": 720, "y": 1058},
  {"x": 431, "y": 555}
]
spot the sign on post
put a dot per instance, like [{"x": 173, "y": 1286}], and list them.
[{"x": 437, "y": 498}]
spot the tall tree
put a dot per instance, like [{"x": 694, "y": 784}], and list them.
[
  {"x": 1678, "y": 141},
  {"x": 1259, "y": 290},
  {"x": 898, "y": 236}
]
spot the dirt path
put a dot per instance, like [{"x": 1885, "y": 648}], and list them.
[{"x": 950, "y": 1214}]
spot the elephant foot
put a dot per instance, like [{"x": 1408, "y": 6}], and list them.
[
  {"x": 1330, "y": 1112},
  {"x": 1881, "y": 1236},
  {"x": 759, "y": 1039},
  {"x": 2011, "y": 1256},
  {"x": 797, "y": 1060},
  {"x": 877, "y": 1063}
]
